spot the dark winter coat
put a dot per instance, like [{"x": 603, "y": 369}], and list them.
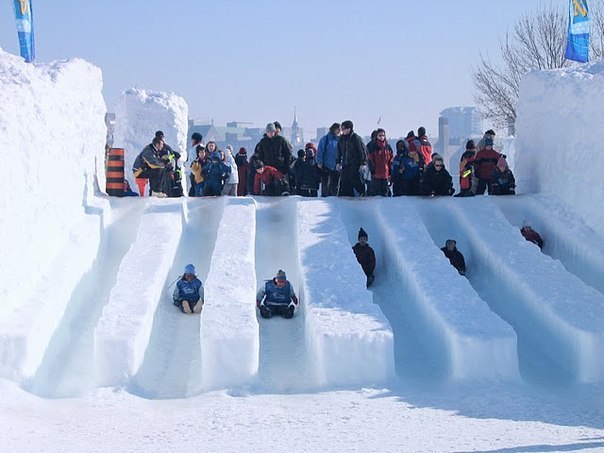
[
  {"x": 379, "y": 159},
  {"x": 503, "y": 182},
  {"x": 532, "y": 236},
  {"x": 437, "y": 182},
  {"x": 351, "y": 151},
  {"x": 306, "y": 174},
  {"x": 242, "y": 169},
  {"x": 411, "y": 166},
  {"x": 191, "y": 291},
  {"x": 466, "y": 165},
  {"x": 328, "y": 151},
  {"x": 456, "y": 259},
  {"x": 485, "y": 163},
  {"x": 215, "y": 174},
  {"x": 274, "y": 152},
  {"x": 149, "y": 157},
  {"x": 366, "y": 258}
]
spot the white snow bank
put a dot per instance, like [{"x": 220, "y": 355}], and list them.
[
  {"x": 123, "y": 332},
  {"x": 560, "y": 137},
  {"x": 52, "y": 136},
  {"x": 354, "y": 340},
  {"x": 140, "y": 113},
  {"x": 229, "y": 330}
]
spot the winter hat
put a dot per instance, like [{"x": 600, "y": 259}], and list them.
[
  {"x": 362, "y": 234},
  {"x": 159, "y": 134},
  {"x": 310, "y": 153},
  {"x": 488, "y": 141},
  {"x": 300, "y": 153},
  {"x": 490, "y": 132},
  {"x": 470, "y": 145},
  {"x": 310, "y": 145},
  {"x": 502, "y": 164},
  {"x": 450, "y": 241},
  {"x": 526, "y": 224},
  {"x": 230, "y": 148},
  {"x": 421, "y": 131},
  {"x": 190, "y": 269},
  {"x": 281, "y": 275},
  {"x": 270, "y": 127},
  {"x": 242, "y": 151},
  {"x": 216, "y": 155},
  {"x": 196, "y": 136}
]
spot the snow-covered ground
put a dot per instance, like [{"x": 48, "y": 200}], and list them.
[{"x": 94, "y": 356}]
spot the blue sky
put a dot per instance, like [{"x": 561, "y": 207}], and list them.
[{"x": 255, "y": 60}]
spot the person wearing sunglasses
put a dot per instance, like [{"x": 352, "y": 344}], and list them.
[{"x": 436, "y": 179}]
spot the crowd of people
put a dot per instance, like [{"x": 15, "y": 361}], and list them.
[{"x": 341, "y": 165}]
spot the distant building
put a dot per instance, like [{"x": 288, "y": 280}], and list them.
[{"x": 463, "y": 122}]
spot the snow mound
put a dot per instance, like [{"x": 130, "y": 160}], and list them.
[
  {"x": 560, "y": 137},
  {"x": 52, "y": 134},
  {"x": 140, "y": 113}
]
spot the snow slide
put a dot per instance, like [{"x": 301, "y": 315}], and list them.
[
  {"x": 441, "y": 327},
  {"x": 354, "y": 341},
  {"x": 122, "y": 334},
  {"x": 558, "y": 319},
  {"x": 172, "y": 364}
]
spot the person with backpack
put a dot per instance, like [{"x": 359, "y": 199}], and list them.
[
  {"x": 365, "y": 256},
  {"x": 326, "y": 161},
  {"x": 188, "y": 293},
  {"x": 277, "y": 297},
  {"x": 455, "y": 257},
  {"x": 485, "y": 162},
  {"x": 379, "y": 159},
  {"x": 351, "y": 161},
  {"x": 423, "y": 145}
]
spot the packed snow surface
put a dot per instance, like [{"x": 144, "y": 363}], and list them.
[{"x": 95, "y": 357}]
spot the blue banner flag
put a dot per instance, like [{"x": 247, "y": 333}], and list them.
[
  {"x": 577, "y": 45},
  {"x": 25, "y": 28}
]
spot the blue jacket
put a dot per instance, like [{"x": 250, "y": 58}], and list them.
[
  {"x": 275, "y": 295},
  {"x": 412, "y": 167},
  {"x": 328, "y": 149},
  {"x": 191, "y": 291},
  {"x": 215, "y": 175}
]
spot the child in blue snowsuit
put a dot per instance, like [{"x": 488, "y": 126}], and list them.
[
  {"x": 188, "y": 294},
  {"x": 216, "y": 173},
  {"x": 277, "y": 296}
]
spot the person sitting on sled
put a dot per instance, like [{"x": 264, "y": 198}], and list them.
[
  {"x": 277, "y": 296},
  {"x": 365, "y": 256},
  {"x": 188, "y": 294}
]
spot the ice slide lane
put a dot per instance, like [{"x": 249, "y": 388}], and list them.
[
  {"x": 354, "y": 341},
  {"x": 439, "y": 332},
  {"x": 67, "y": 369},
  {"x": 172, "y": 364},
  {"x": 566, "y": 239},
  {"x": 123, "y": 332},
  {"x": 229, "y": 330},
  {"x": 558, "y": 319},
  {"x": 36, "y": 326},
  {"x": 287, "y": 361}
]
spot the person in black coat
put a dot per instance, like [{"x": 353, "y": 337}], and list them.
[
  {"x": 436, "y": 179},
  {"x": 455, "y": 257},
  {"x": 365, "y": 256},
  {"x": 351, "y": 160},
  {"x": 274, "y": 150}
]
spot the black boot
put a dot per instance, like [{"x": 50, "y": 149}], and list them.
[{"x": 265, "y": 312}]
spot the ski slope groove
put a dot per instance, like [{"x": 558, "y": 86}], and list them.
[{"x": 105, "y": 316}]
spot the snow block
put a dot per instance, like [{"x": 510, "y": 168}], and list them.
[
  {"x": 559, "y": 319},
  {"x": 229, "y": 329},
  {"x": 123, "y": 331},
  {"x": 354, "y": 341},
  {"x": 452, "y": 331},
  {"x": 560, "y": 136},
  {"x": 27, "y": 330},
  {"x": 140, "y": 113},
  {"x": 52, "y": 131}
]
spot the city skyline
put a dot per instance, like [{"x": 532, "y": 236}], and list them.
[{"x": 257, "y": 62}]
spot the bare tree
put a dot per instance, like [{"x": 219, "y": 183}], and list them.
[{"x": 537, "y": 41}]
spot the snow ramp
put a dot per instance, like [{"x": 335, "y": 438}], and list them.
[
  {"x": 173, "y": 361},
  {"x": 229, "y": 330},
  {"x": 354, "y": 341},
  {"x": 442, "y": 328},
  {"x": 559, "y": 320},
  {"x": 123, "y": 332},
  {"x": 287, "y": 350}
]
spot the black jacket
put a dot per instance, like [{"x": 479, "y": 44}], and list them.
[
  {"x": 351, "y": 151},
  {"x": 437, "y": 182},
  {"x": 456, "y": 259},
  {"x": 274, "y": 152}
]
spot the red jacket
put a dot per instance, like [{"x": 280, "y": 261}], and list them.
[
  {"x": 269, "y": 175},
  {"x": 485, "y": 163},
  {"x": 380, "y": 159}
]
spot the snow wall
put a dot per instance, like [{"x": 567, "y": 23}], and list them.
[
  {"x": 140, "y": 113},
  {"x": 560, "y": 138},
  {"x": 52, "y": 137}
]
